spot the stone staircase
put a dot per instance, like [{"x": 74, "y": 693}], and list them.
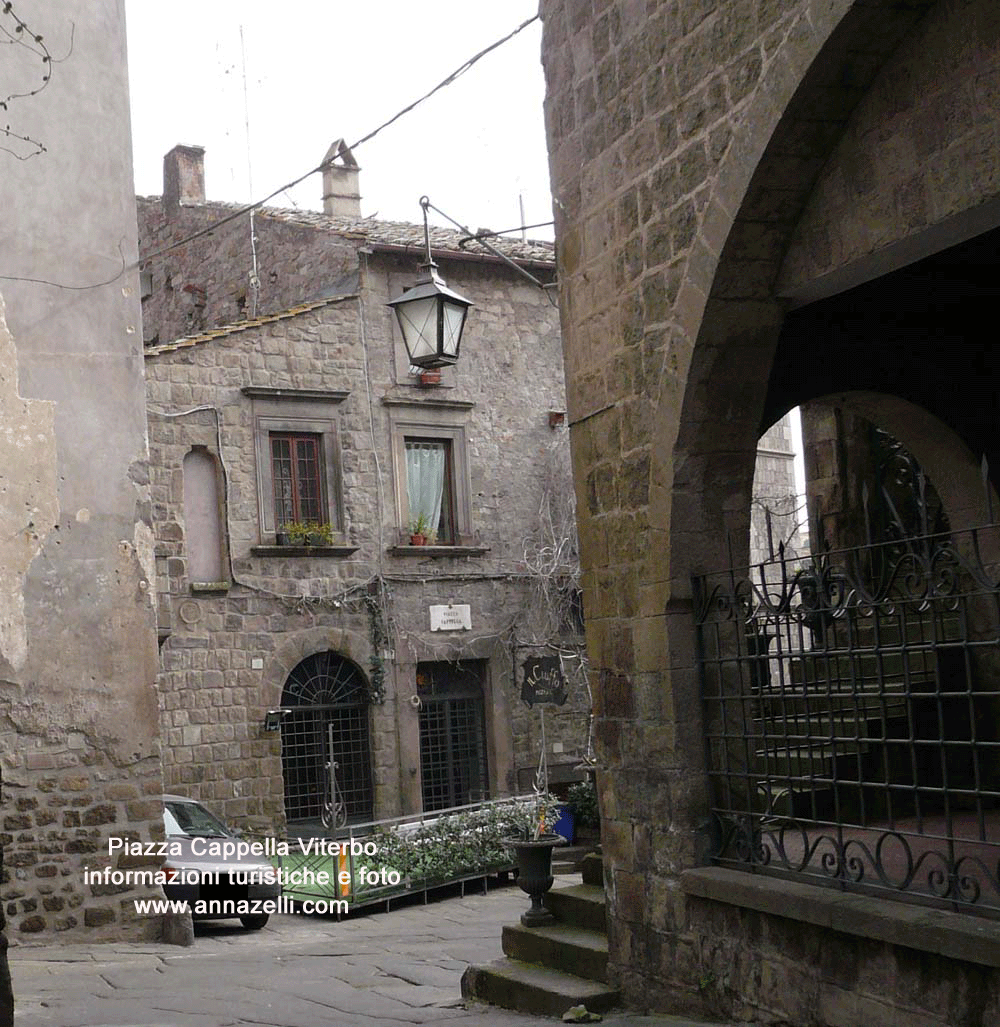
[
  {"x": 534, "y": 977},
  {"x": 863, "y": 688}
]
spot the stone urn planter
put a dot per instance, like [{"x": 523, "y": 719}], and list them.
[{"x": 533, "y": 857}]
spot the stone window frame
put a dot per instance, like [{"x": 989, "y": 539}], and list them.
[
  {"x": 304, "y": 412},
  {"x": 432, "y": 420}
]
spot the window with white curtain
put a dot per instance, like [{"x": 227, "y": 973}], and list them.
[
  {"x": 429, "y": 489},
  {"x": 431, "y": 470}
]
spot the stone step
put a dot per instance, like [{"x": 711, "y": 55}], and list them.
[
  {"x": 566, "y": 858},
  {"x": 804, "y": 761},
  {"x": 805, "y": 701},
  {"x": 512, "y": 984},
  {"x": 582, "y": 905},
  {"x": 863, "y": 666},
  {"x": 559, "y": 947},
  {"x": 592, "y": 869},
  {"x": 789, "y": 726}
]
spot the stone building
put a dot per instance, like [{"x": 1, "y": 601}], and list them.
[
  {"x": 79, "y": 736},
  {"x": 778, "y": 513},
  {"x": 324, "y": 279},
  {"x": 400, "y": 662},
  {"x": 761, "y": 205}
]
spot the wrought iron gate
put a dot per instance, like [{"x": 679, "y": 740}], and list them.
[
  {"x": 452, "y": 734},
  {"x": 851, "y": 712},
  {"x": 326, "y": 722}
]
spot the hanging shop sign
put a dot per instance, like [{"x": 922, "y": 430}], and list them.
[
  {"x": 542, "y": 681},
  {"x": 451, "y": 618}
]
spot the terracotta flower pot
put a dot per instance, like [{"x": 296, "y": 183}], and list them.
[{"x": 418, "y": 540}]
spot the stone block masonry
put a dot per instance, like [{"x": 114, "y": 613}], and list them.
[
  {"x": 227, "y": 654},
  {"x": 64, "y": 804},
  {"x": 716, "y": 165}
]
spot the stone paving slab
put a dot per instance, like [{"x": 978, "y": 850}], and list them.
[{"x": 378, "y": 970}]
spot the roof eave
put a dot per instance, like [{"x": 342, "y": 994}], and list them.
[{"x": 402, "y": 249}]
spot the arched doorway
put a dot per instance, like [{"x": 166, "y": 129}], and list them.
[{"x": 325, "y": 740}]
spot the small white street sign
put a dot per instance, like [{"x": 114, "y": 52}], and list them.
[{"x": 451, "y": 618}]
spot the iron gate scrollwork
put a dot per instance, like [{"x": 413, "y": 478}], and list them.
[{"x": 851, "y": 708}]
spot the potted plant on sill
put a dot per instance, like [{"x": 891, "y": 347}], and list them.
[
  {"x": 320, "y": 535},
  {"x": 291, "y": 533},
  {"x": 419, "y": 530},
  {"x": 304, "y": 533}
]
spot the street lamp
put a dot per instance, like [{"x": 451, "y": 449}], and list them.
[{"x": 431, "y": 316}]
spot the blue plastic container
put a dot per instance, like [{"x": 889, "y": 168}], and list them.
[{"x": 566, "y": 824}]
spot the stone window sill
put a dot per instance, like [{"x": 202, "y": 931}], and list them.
[
  {"x": 939, "y": 931},
  {"x": 310, "y": 551},
  {"x": 436, "y": 552}
]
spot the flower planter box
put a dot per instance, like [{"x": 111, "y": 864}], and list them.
[{"x": 454, "y": 848}]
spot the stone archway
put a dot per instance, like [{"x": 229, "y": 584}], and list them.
[
  {"x": 692, "y": 218},
  {"x": 326, "y": 744},
  {"x": 291, "y": 651}
]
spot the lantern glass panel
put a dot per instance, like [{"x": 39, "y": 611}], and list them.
[
  {"x": 454, "y": 318},
  {"x": 418, "y": 323}
]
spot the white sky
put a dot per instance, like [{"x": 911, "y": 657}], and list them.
[{"x": 317, "y": 70}]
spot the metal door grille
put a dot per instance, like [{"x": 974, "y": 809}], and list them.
[
  {"x": 326, "y": 719},
  {"x": 851, "y": 713},
  {"x": 452, "y": 735}
]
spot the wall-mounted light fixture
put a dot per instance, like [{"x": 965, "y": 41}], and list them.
[
  {"x": 272, "y": 719},
  {"x": 431, "y": 316}
]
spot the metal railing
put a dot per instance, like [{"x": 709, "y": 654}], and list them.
[
  {"x": 344, "y": 858},
  {"x": 852, "y": 706}
]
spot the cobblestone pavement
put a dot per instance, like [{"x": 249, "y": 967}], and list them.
[{"x": 378, "y": 970}]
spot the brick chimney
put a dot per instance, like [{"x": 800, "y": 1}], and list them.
[
  {"x": 183, "y": 177},
  {"x": 341, "y": 197}
]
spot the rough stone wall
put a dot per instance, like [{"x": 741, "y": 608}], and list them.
[
  {"x": 916, "y": 169},
  {"x": 685, "y": 144},
  {"x": 207, "y": 282},
  {"x": 213, "y": 697},
  {"x": 79, "y": 735}
]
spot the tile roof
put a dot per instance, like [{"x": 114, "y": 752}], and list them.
[
  {"x": 240, "y": 326},
  {"x": 392, "y": 233}
]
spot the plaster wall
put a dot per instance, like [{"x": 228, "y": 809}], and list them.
[{"x": 78, "y": 718}]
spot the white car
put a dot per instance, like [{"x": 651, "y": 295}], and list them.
[{"x": 212, "y": 869}]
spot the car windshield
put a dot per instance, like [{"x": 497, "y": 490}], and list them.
[{"x": 192, "y": 819}]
